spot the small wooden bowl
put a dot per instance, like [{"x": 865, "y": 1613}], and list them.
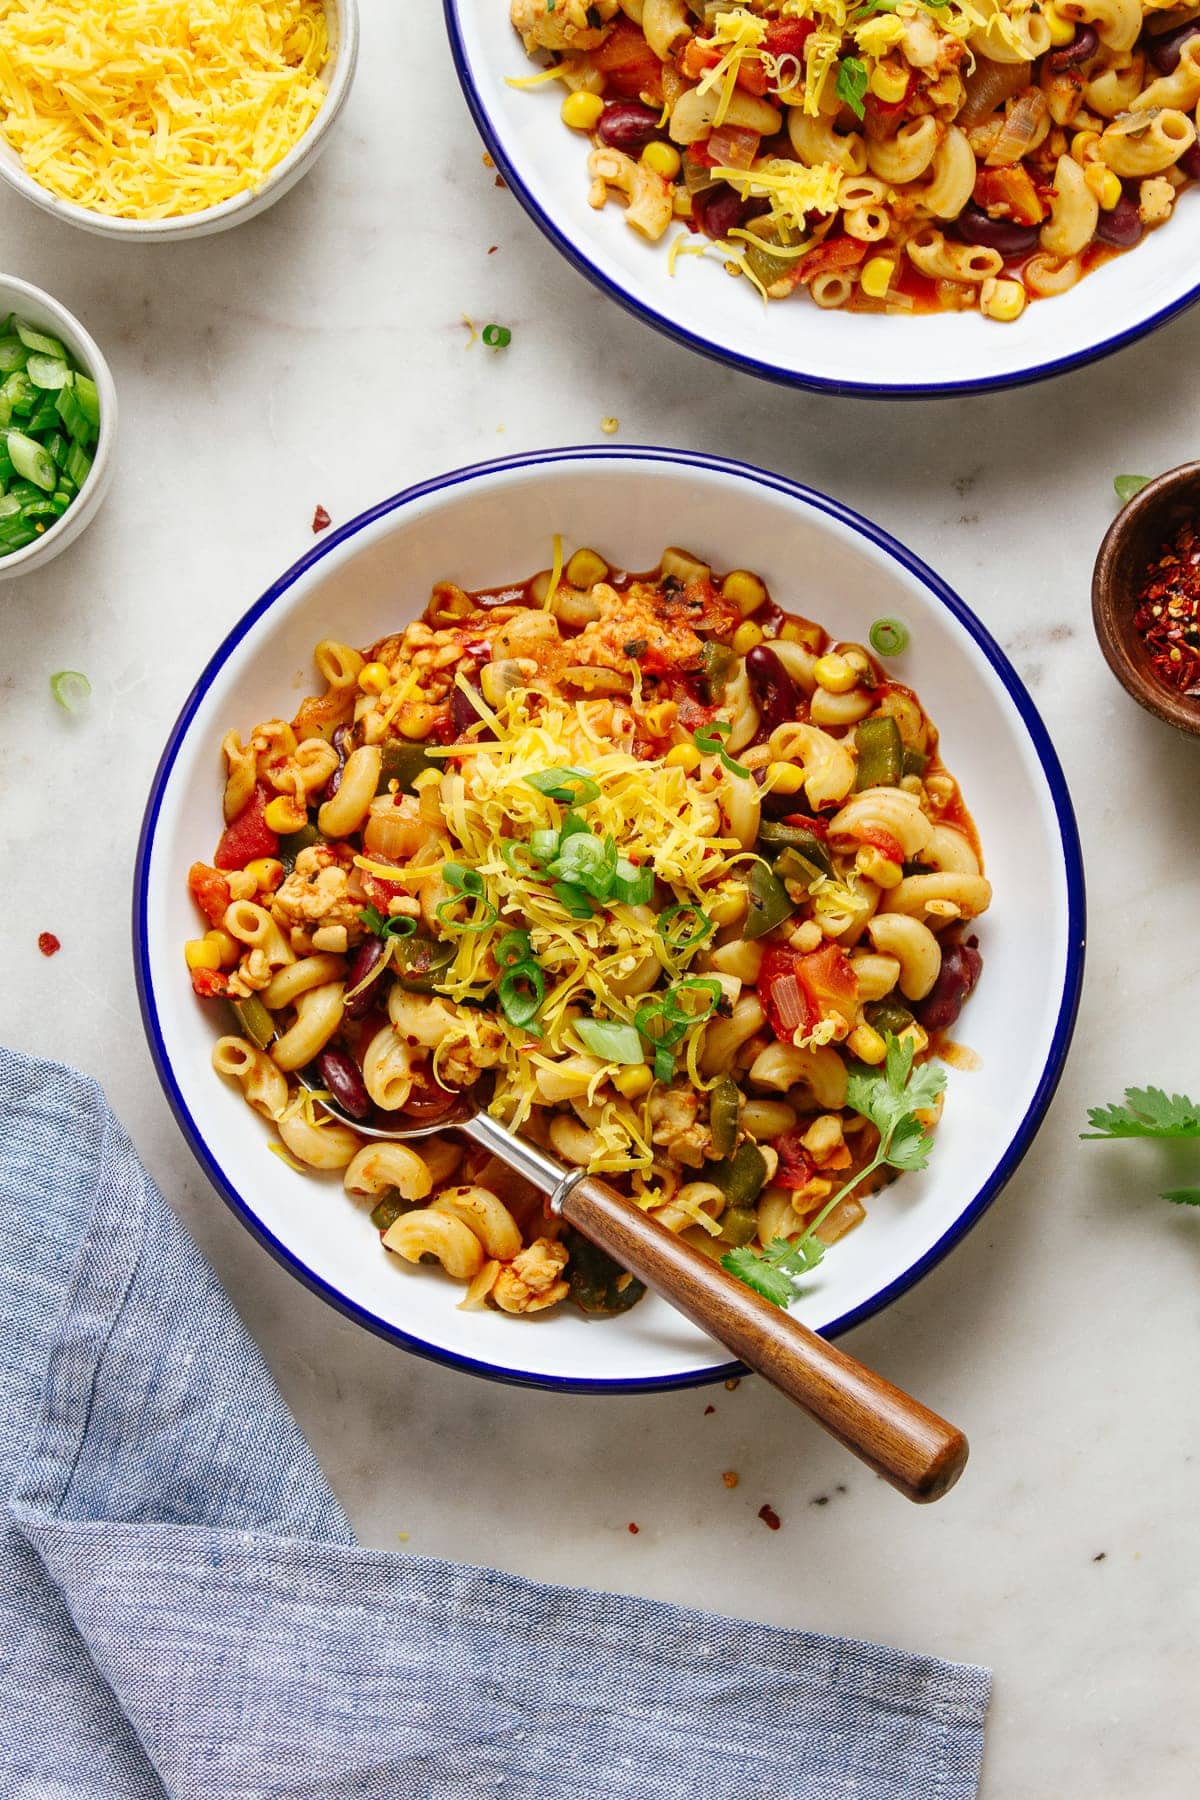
[{"x": 1140, "y": 531}]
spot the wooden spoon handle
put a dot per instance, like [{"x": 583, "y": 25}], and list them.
[{"x": 914, "y": 1449}]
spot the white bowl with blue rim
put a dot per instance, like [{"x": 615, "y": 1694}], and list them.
[
  {"x": 493, "y": 523},
  {"x": 795, "y": 341}
]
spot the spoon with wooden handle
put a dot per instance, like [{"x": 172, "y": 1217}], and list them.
[{"x": 910, "y": 1446}]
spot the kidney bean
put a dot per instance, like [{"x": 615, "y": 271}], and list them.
[
  {"x": 974, "y": 226},
  {"x": 1189, "y": 162},
  {"x": 342, "y": 1076},
  {"x": 462, "y": 713},
  {"x": 717, "y": 210},
  {"x": 961, "y": 968},
  {"x": 341, "y": 744},
  {"x": 1164, "y": 52},
  {"x": 366, "y": 958},
  {"x": 773, "y": 690},
  {"x": 1121, "y": 227},
  {"x": 626, "y": 125},
  {"x": 1081, "y": 49}
]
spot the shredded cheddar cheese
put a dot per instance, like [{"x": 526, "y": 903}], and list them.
[{"x": 150, "y": 109}]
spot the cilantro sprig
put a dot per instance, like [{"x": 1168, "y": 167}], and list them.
[
  {"x": 1150, "y": 1113},
  {"x": 851, "y": 85},
  {"x": 891, "y": 1098}
]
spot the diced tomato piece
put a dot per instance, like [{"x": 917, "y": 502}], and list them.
[
  {"x": 210, "y": 984},
  {"x": 834, "y": 253},
  {"x": 1010, "y": 194},
  {"x": 829, "y": 982},
  {"x": 783, "y": 999},
  {"x": 796, "y": 1167},
  {"x": 698, "y": 55},
  {"x": 787, "y": 37},
  {"x": 377, "y": 889},
  {"x": 884, "y": 842},
  {"x": 798, "y": 988},
  {"x": 627, "y": 62},
  {"x": 210, "y": 890},
  {"x": 249, "y": 836},
  {"x": 752, "y": 76}
]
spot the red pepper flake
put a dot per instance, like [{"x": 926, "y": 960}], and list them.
[
  {"x": 1168, "y": 616},
  {"x": 321, "y": 519},
  {"x": 492, "y": 249},
  {"x": 48, "y": 944},
  {"x": 632, "y": 1528},
  {"x": 769, "y": 1517},
  {"x": 709, "y": 1409}
]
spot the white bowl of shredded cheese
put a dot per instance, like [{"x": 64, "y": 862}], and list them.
[{"x": 158, "y": 120}]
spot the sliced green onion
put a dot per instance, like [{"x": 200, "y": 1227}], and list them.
[
  {"x": 543, "y": 845},
  {"x": 1127, "y": 486},
  {"x": 709, "y": 740},
  {"x": 19, "y": 392},
  {"x": 631, "y": 885},
  {"x": 461, "y": 880},
  {"x": 70, "y": 689},
  {"x": 588, "y": 862},
  {"x": 465, "y": 927},
  {"x": 78, "y": 464},
  {"x": 652, "y": 1022},
  {"x": 385, "y": 925},
  {"x": 692, "y": 984},
  {"x": 73, "y": 416},
  {"x": 465, "y": 884},
  {"x": 664, "y": 1065},
  {"x": 522, "y": 990},
  {"x": 48, "y": 371},
  {"x": 13, "y": 354},
  {"x": 514, "y": 948},
  {"x": 888, "y": 637},
  {"x": 32, "y": 460},
  {"x": 38, "y": 340},
  {"x": 88, "y": 396},
  {"x": 496, "y": 337},
  {"x": 576, "y": 900},
  {"x": 519, "y": 857},
  {"x": 571, "y": 787},
  {"x": 610, "y": 1040},
  {"x": 572, "y": 824},
  {"x": 701, "y": 928}
]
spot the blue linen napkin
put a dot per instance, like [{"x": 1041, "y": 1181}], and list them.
[{"x": 184, "y": 1612}]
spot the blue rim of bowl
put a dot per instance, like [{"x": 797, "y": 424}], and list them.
[
  {"x": 874, "y": 534},
  {"x": 820, "y": 384}
]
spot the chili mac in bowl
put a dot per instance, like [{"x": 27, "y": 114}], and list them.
[{"x": 804, "y": 722}]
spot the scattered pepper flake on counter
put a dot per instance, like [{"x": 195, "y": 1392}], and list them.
[
  {"x": 730, "y": 1478},
  {"x": 1100, "y": 1556},
  {"x": 1168, "y": 616},
  {"x": 709, "y": 1409},
  {"x": 321, "y": 520},
  {"x": 769, "y": 1517},
  {"x": 48, "y": 944},
  {"x": 632, "y": 1528}
]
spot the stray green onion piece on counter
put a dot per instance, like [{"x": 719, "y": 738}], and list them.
[
  {"x": 888, "y": 637},
  {"x": 70, "y": 689},
  {"x": 49, "y": 424},
  {"x": 497, "y": 337},
  {"x": 1126, "y": 486}
]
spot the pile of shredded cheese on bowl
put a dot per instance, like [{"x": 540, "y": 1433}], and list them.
[{"x": 153, "y": 109}]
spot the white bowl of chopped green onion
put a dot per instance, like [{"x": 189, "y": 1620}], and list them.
[{"x": 58, "y": 421}]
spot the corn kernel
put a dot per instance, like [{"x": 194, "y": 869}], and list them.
[
  {"x": 791, "y": 633},
  {"x": 585, "y": 569},
  {"x": 634, "y": 1081},
  {"x": 865, "y": 1043},
  {"x": 283, "y": 815},
  {"x": 1104, "y": 183},
  {"x": 228, "y": 948},
  {"x": 582, "y": 111},
  {"x": 834, "y": 674},
  {"x": 1085, "y": 146},
  {"x": 659, "y": 718},
  {"x": 416, "y": 720},
  {"x": 1062, "y": 31},
  {"x": 199, "y": 953},
  {"x": 876, "y": 277},
  {"x": 745, "y": 590},
  {"x": 888, "y": 83},
  {"x": 785, "y": 778},
  {"x": 683, "y": 756},
  {"x": 374, "y": 677},
  {"x": 878, "y": 868},
  {"x": 266, "y": 870},
  {"x": 1001, "y": 299},
  {"x": 664, "y": 159},
  {"x": 747, "y": 635}
]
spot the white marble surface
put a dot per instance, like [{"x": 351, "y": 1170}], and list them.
[{"x": 316, "y": 355}]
